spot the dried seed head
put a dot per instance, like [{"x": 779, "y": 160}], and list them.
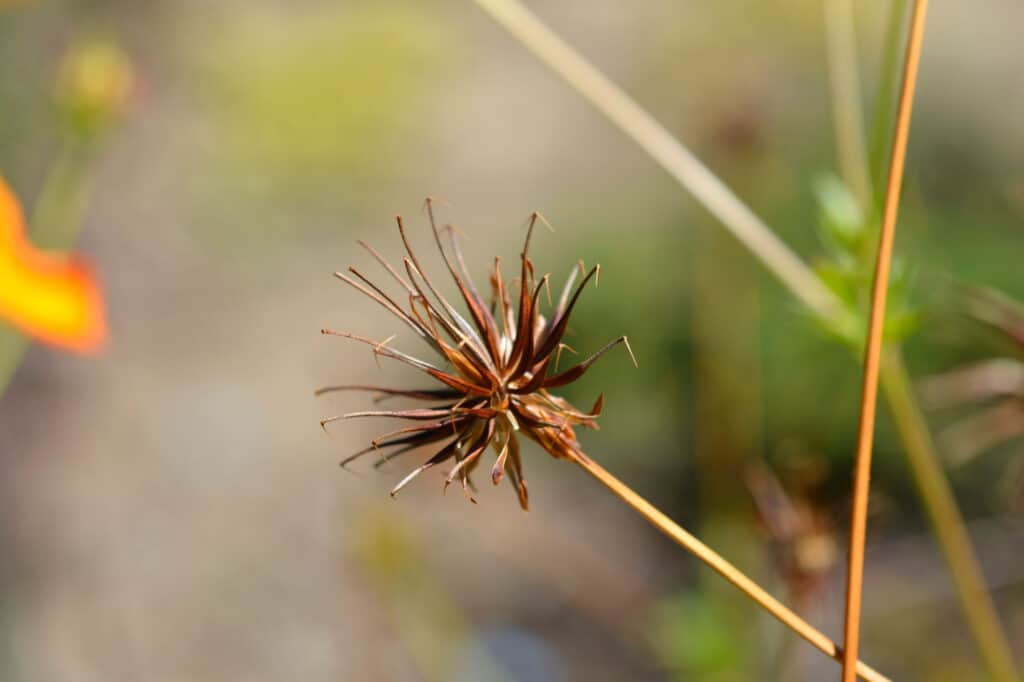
[{"x": 494, "y": 375}]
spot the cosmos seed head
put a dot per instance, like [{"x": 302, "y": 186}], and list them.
[{"x": 498, "y": 362}]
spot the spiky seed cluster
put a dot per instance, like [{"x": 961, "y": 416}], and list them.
[{"x": 498, "y": 366}]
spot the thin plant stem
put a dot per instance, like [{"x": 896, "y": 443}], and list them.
[
  {"x": 881, "y": 128},
  {"x": 59, "y": 210},
  {"x": 946, "y": 521},
  {"x": 13, "y": 345},
  {"x": 715, "y": 561},
  {"x": 873, "y": 348},
  {"x": 844, "y": 79},
  {"x": 679, "y": 161},
  {"x": 922, "y": 455}
]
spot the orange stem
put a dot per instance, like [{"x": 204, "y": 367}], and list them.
[{"x": 873, "y": 350}]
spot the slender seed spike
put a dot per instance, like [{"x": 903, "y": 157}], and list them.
[
  {"x": 524, "y": 494},
  {"x": 531, "y": 221},
  {"x": 516, "y": 473},
  {"x": 445, "y": 453},
  {"x": 485, "y": 324},
  {"x": 577, "y": 371},
  {"x": 540, "y": 216},
  {"x": 386, "y": 301},
  {"x": 476, "y": 450},
  {"x": 408, "y": 479},
  {"x": 557, "y": 325},
  {"x": 498, "y": 471},
  {"x": 567, "y": 289},
  {"x": 328, "y": 420},
  {"x": 625, "y": 340},
  {"x": 466, "y": 485},
  {"x": 387, "y": 266},
  {"x": 558, "y": 353},
  {"x": 419, "y": 393},
  {"x": 401, "y": 414}
]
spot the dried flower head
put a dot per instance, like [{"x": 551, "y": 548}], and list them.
[{"x": 497, "y": 369}]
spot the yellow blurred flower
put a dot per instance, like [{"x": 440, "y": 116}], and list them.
[{"x": 50, "y": 297}]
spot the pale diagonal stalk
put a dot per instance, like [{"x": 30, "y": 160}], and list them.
[
  {"x": 873, "y": 347},
  {"x": 946, "y": 521},
  {"x": 681, "y": 164},
  {"x": 844, "y": 80},
  {"x": 636, "y": 123},
  {"x": 715, "y": 561}
]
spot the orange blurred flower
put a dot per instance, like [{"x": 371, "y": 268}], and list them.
[{"x": 50, "y": 297}]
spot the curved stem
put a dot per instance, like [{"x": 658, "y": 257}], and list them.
[
  {"x": 718, "y": 564},
  {"x": 873, "y": 347}
]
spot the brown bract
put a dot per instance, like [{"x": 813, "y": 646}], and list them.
[{"x": 499, "y": 361}]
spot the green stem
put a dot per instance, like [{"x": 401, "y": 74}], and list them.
[
  {"x": 13, "y": 345},
  {"x": 885, "y": 99},
  {"x": 59, "y": 211},
  {"x": 946, "y": 521},
  {"x": 844, "y": 80}
]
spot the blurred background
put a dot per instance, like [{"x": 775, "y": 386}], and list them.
[{"x": 170, "y": 508}]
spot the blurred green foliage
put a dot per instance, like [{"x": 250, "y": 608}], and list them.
[
  {"x": 850, "y": 239},
  {"x": 316, "y": 101},
  {"x": 700, "y": 638}
]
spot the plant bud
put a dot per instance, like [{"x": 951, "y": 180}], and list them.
[{"x": 94, "y": 84}]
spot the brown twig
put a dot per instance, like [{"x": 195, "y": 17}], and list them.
[
  {"x": 873, "y": 349},
  {"x": 715, "y": 561}
]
